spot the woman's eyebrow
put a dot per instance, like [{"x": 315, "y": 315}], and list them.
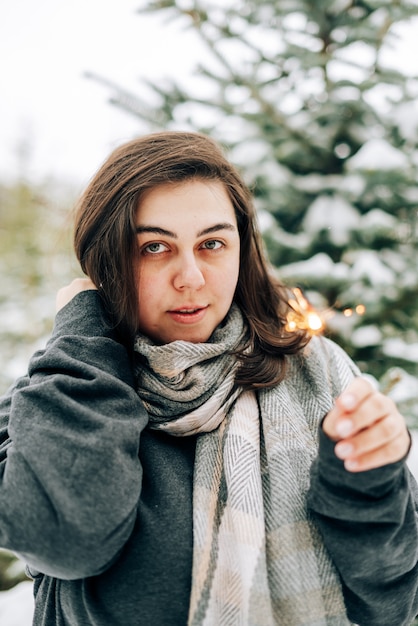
[
  {"x": 215, "y": 228},
  {"x": 168, "y": 233},
  {"x": 156, "y": 230}
]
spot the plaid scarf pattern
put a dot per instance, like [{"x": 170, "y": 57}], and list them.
[{"x": 258, "y": 559}]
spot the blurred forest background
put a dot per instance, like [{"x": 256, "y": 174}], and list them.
[
  {"x": 35, "y": 260},
  {"x": 325, "y": 131}
]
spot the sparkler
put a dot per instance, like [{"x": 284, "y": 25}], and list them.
[{"x": 303, "y": 316}]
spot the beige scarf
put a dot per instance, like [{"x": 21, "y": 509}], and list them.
[{"x": 258, "y": 558}]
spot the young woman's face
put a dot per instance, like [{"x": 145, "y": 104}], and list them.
[{"x": 189, "y": 251}]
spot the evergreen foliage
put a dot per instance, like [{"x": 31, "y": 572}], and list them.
[
  {"x": 34, "y": 262},
  {"x": 326, "y": 133}
]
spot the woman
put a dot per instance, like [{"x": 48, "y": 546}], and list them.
[{"x": 176, "y": 455}]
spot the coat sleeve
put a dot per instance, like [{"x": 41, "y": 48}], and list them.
[
  {"x": 70, "y": 476},
  {"x": 369, "y": 523}
]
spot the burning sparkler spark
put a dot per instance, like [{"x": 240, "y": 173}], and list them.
[{"x": 303, "y": 316}]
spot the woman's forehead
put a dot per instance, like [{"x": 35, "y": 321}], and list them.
[{"x": 203, "y": 201}]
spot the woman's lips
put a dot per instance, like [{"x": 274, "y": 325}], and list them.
[{"x": 189, "y": 314}]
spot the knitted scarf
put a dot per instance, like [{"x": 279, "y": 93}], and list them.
[{"x": 258, "y": 558}]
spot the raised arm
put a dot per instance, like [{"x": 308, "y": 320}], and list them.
[
  {"x": 70, "y": 476},
  {"x": 365, "y": 502}
]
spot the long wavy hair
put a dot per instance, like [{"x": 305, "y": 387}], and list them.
[{"x": 106, "y": 244}]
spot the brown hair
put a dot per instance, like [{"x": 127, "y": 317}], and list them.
[{"x": 105, "y": 243}]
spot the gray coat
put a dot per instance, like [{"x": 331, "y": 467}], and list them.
[{"x": 100, "y": 507}]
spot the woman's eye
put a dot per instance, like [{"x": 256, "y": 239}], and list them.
[
  {"x": 212, "y": 244},
  {"x": 154, "y": 248}
]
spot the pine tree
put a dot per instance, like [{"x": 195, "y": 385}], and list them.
[
  {"x": 326, "y": 134},
  {"x": 34, "y": 262}
]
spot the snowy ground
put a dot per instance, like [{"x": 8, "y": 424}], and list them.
[{"x": 16, "y": 605}]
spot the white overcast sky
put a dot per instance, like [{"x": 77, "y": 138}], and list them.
[
  {"x": 45, "y": 101},
  {"x": 46, "y": 46}
]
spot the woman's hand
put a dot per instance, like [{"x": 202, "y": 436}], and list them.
[
  {"x": 369, "y": 430},
  {"x": 65, "y": 294}
]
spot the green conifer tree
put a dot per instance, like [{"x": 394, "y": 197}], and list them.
[{"x": 326, "y": 134}]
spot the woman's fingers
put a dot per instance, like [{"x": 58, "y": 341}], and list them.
[
  {"x": 67, "y": 293},
  {"x": 369, "y": 429},
  {"x": 349, "y": 415},
  {"x": 384, "y": 442}
]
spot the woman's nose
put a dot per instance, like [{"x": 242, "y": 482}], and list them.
[{"x": 188, "y": 274}]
